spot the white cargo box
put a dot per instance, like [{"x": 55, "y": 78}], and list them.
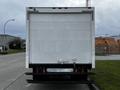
[{"x": 60, "y": 35}]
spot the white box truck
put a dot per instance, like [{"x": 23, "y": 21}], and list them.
[{"x": 60, "y": 42}]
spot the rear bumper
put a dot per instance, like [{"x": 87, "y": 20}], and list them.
[{"x": 87, "y": 66}]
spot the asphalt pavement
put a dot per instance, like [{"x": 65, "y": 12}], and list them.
[
  {"x": 12, "y": 77},
  {"x": 11, "y": 66}
]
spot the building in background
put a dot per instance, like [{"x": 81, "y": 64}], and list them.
[
  {"x": 10, "y": 42},
  {"x": 117, "y": 37},
  {"x": 100, "y": 46},
  {"x": 118, "y": 41},
  {"x": 107, "y": 45}
]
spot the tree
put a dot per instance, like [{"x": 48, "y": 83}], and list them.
[{"x": 15, "y": 44}]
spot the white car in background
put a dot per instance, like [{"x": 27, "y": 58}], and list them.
[{"x": 3, "y": 50}]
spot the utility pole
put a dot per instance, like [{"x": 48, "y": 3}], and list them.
[
  {"x": 5, "y": 38},
  {"x": 88, "y": 3}
]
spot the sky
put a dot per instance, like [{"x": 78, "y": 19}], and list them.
[{"x": 107, "y": 14}]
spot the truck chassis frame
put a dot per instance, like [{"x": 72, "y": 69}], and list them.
[{"x": 39, "y": 72}]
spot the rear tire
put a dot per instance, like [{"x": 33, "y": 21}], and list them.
[{"x": 37, "y": 73}]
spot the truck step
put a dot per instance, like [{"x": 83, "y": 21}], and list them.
[
  {"x": 54, "y": 73},
  {"x": 60, "y": 82},
  {"x": 28, "y": 73}
]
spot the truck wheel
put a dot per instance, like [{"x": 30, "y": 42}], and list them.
[
  {"x": 34, "y": 73},
  {"x": 34, "y": 77},
  {"x": 85, "y": 75}
]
